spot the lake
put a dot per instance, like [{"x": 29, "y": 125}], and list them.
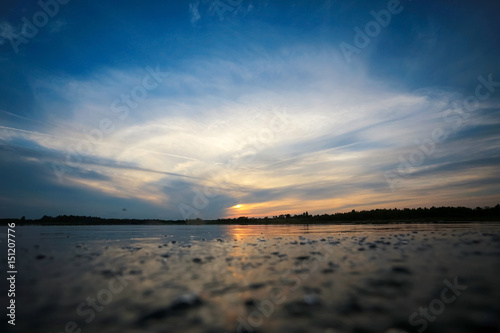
[{"x": 241, "y": 278}]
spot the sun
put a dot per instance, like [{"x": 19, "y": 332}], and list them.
[{"x": 238, "y": 206}]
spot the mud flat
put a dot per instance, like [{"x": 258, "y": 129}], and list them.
[{"x": 370, "y": 278}]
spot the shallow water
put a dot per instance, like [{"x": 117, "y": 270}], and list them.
[{"x": 213, "y": 278}]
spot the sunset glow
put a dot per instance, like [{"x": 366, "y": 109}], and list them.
[{"x": 273, "y": 109}]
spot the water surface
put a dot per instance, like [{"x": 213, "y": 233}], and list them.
[{"x": 265, "y": 278}]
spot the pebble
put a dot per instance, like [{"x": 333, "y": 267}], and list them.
[
  {"x": 256, "y": 285},
  {"x": 250, "y": 302},
  {"x": 183, "y": 302},
  {"x": 135, "y": 272},
  {"x": 312, "y": 299},
  {"x": 401, "y": 269}
]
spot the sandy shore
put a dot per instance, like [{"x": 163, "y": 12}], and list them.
[{"x": 391, "y": 279}]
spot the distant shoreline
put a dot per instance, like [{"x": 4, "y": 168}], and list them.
[
  {"x": 374, "y": 216},
  {"x": 124, "y": 222}
]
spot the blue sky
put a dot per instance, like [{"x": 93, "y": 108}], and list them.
[{"x": 185, "y": 109}]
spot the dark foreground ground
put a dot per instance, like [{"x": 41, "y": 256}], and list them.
[{"x": 405, "y": 278}]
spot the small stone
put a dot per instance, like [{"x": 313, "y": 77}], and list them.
[
  {"x": 255, "y": 285},
  {"x": 312, "y": 299},
  {"x": 351, "y": 306},
  {"x": 401, "y": 269},
  {"x": 250, "y": 302},
  {"x": 183, "y": 302},
  {"x": 332, "y": 265},
  {"x": 147, "y": 292},
  {"x": 107, "y": 273},
  {"x": 187, "y": 299},
  {"x": 135, "y": 272}
]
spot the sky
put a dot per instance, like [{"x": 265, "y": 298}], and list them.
[{"x": 225, "y": 108}]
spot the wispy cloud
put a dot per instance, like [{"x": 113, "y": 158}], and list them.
[
  {"x": 195, "y": 14},
  {"x": 328, "y": 156}
]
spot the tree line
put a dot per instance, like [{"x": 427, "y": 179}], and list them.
[{"x": 432, "y": 214}]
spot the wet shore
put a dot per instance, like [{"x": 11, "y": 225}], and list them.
[{"x": 384, "y": 278}]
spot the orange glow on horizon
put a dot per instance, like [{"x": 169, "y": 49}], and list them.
[{"x": 269, "y": 208}]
